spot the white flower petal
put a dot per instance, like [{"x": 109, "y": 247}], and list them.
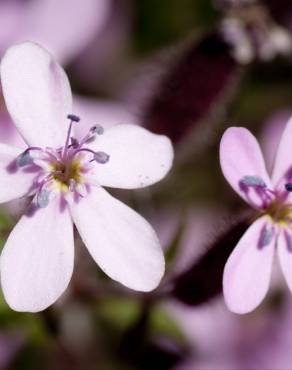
[
  {"x": 37, "y": 259},
  {"x": 37, "y": 94},
  {"x": 138, "y": 158},
  {"x": 14, "y": 182},
  {"x": 247, "y": 272},
  {"x": 284, "y": 251},
  {"x": 122, "y": 242}
]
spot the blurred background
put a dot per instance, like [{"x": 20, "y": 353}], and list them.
[{"x": 187, "y": 69}]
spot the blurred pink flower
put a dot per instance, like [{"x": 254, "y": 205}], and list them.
[
  {"x": 10, "y": 344},
  {"x": 66, "y": 180},
  {"x": 248, "y": 270},
  {"x": 260, "y": 341},
  {"x": 199, "y": 225},
  {"x": 63, "y": 26},
  {"x": 271, "y": 135}
]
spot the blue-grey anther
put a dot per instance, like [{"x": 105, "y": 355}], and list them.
[
  {"x": 288, "y": 186},
  {"x": 266, "y": 236},
  {"x": 97, "y": 129},
  {"x": 73, "y": 118},
  {"x": 43, "y": 198},
  {"x": 101, "y": 157},
  {"x": 253, "y": 181},
  {"x": 23, "y": 159}
]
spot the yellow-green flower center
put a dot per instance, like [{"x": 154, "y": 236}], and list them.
[
  {"x": 65, "y": 173},
  {"x": 280, "y": 213}
]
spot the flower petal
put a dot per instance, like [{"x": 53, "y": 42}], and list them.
[
  {"x": 11, "y": 14},
  {"x": 37, "y": 94},
  {"x": 8, "y": 132},
  {"x": 284, "y": 249},
  {"x": 241, "y": 156},
  {"x": 37, "y": 259},
  {"x": 271, "y": 134},
  {"x": 65, "y": 27},
  {"x": 247, "y": 272},
  {"x": 283, "y": 166},
  {"x": 138, "y": 158},
  {"x": 15, "y": 182},
  {"x": 121, "y": 242}
]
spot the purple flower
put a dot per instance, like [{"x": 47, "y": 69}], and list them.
[
  {"x": 64, "y": 172},
  {"x": 248, "y": 270}
]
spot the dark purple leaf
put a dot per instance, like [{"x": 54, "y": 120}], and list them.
[
  {"x": 193, "y": 85},
  {"x": 164, "y": 354},
  {"x": 143, "y": 349},
  {"x": 281, "y": 11}
]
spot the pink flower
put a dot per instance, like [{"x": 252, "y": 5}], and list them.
[
  {"x": 64, "y": 26},
  {"x": 248, "y": 270},
  {"x": 65, "y": 173}
]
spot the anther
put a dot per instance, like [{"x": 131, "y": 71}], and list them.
[
  {"x": 288, "y": 186},
  {"x": 24, "y": 159},
  {"x": 73, "y": 118},
  {"x": 253, "y": 181},
  {"x": 266, "y": 236},
  {"x": 43, "y": 198},
  {"x": 101, "y": 157},
  {"x": 97, "y": 129}
]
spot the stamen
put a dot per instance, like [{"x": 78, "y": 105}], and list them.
[
  {"x": 266, "y": 236},
  {"x": 288, "y": 186},
  {"x": 24, "y": 159},
  {"x": 253, "y": 181},
  {"x": 101, "y": 157},
  {"x": 72, "y": 118},
  {"x": 97, "y": 129},
  {"x": 43, "y": 198}
]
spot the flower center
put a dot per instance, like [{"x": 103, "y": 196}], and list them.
[
  {"x": 64, "y": 169},
  {"x": 64, "y": 173},
  {"x": 280, "y": 213},
  {"x": 271, "y": 202}
]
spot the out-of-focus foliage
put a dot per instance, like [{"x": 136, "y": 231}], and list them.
[{"x": 158, "y": 24}]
